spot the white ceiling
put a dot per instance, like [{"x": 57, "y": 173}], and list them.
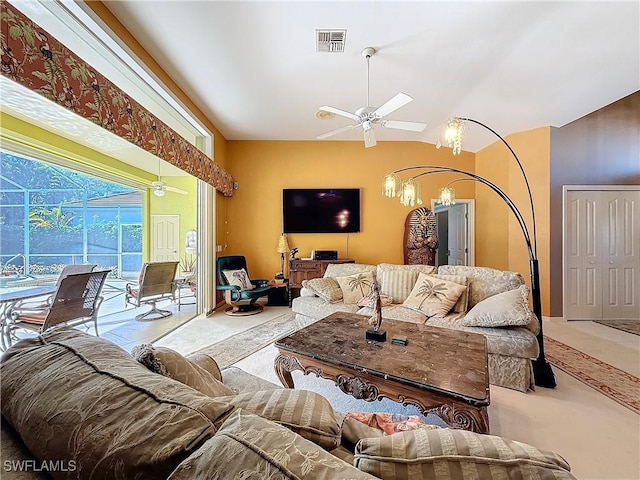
[{"x": 253, "y": 69}]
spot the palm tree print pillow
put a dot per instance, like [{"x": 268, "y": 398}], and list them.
[
  {"x": 433, "y": 296},
  {"x": 355, "y": 287}
]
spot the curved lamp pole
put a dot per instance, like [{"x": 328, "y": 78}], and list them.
[{"x": 542, "y": 372}]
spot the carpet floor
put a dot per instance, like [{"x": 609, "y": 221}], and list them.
[
  {"x": 616, "y": 384},
  {"x": 629, "y": 326}
]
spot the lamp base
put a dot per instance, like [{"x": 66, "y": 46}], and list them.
[
  {"x": 376, "y": 336},
  {"x": 543, "y": 376}
]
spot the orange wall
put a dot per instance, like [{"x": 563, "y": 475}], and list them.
[
  {"x": 263, "y": 168},
  {"x": 499, "y": 239}
]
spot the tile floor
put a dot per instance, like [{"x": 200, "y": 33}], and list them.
[{"x": 597, "y": 436}]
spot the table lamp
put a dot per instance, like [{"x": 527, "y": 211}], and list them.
[{"x": 283, "y": 248}]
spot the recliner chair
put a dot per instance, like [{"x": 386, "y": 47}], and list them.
[{"x": 236, "y": 284}]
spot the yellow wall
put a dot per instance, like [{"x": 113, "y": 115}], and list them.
[
  {"x": 186, "y": 206},
  {"x": 263, "y": 168},
  {"x": 499, "y": 240}
]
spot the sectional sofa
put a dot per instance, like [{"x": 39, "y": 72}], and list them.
[
  {"x": 77, "y": 406},
  {"x": 491, "y": 302}
]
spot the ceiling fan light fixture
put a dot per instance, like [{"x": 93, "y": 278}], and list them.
[
  {"x": 159, "y": 192},
  {"x": 323, "y": 115},
  {"x": 368, "y": 117}
]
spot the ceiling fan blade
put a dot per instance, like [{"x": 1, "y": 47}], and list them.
[
  {"x": 400, "y": 125},
  {"x": 342, "y": 113},
  {"x": 175, "y": 190},
  {"x": 369, "y": 138},
  {"x": 336, "y": 131},
  {"x": 400, "y": 100}
]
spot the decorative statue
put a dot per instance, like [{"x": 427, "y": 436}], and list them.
[
  {"x": 421, "y": 237},
  {"x": 375, "y": 321}
]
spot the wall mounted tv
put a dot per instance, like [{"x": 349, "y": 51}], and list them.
[{"x": 321, "y": 210}]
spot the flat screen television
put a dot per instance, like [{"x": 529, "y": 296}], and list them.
[{"x": 321, "y": 210}]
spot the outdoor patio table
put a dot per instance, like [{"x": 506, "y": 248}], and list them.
[{"x": 8, "y": 300}]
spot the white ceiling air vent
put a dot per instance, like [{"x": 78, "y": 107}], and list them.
[{"x": 330, "y": 40}]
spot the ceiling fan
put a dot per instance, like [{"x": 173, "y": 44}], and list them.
[
  {"x": 160, "y": 188},
  {"x": 368, "y": 116}
]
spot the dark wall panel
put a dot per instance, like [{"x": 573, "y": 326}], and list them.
[{"x": 602, "y": 148}]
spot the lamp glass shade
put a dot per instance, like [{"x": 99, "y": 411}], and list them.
[
  {"x": 389, "y": 185},
  {"x": 283, "y": 245},
  {"x": 453, "y": 134},
  {"x": 447, "y": 196}
]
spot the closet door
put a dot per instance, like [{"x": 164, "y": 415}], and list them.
[
  {"x": 620, "y": 265},
  {"x": 602, "y": 254}
]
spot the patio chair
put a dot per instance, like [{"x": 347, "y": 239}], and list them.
[
  {"x": 76, "y": 301},
  {"x": 40, "y": 304},
  {"x": 156, "y": 283}
]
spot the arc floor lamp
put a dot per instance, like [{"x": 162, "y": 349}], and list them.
[{"x": 409, "y": 194}]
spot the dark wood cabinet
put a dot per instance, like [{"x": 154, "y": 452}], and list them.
[{"x": 305, "y": 269}]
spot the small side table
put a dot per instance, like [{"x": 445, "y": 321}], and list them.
[{"x": 279, "y": 293}]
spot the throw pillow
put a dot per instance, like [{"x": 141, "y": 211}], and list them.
[
  {"x": 307, "y": 413},
  {"x": 239, "y": 278},
  {"x": 250, "y": 447},
  {"x": 450, "y": 453},
  {"x": 355, "y": 287},
  {"x": 461, "y": 304},
  {"x": 326, "y": 288},
  {"x": 433, "y": 296},
  {"x": 507, "y": 309},
  {"x": 398, "y": 280},
  {"x": 172, "y": 364}
]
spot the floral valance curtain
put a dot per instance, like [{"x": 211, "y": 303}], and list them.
[{"x": 36, "y": 60}]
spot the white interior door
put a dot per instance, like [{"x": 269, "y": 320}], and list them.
[
  {"x": 165, "y": 238},
  {"x": 459, "y": 231},
  {"x": 602, "y": 254}
]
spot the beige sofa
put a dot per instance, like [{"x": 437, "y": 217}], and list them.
[
  {"x": 491, "y": 300},
  {"x": 77, "y": 406}
]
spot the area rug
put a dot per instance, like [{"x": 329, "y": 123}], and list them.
[
  {"x": 629, "y": 326},
  {"x": 616, "y": 384},
  {"x": 239, "y": 346}
]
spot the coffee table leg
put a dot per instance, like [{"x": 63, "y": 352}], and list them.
[
  {"x": 463, "y": 416},
  {"x": 284, "y": 365}
]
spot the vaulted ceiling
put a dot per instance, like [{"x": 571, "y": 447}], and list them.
[{"x": 253, "y": 68}]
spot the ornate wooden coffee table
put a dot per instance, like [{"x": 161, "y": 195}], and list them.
[{"x": 440, "y": 371}]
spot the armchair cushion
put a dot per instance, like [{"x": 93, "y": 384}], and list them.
[{"x": 239, "y": 278}]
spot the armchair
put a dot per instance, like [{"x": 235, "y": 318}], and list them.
[
  {"x": 236, "y": 284},
  {"x": 156, "y": 283}
]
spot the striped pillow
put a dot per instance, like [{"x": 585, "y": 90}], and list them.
[
  {"x": 247, "y": 446},
  {"x": 398, "y": 284},
  {"x": 306, "y": 413},
  {"x": 449, "y": 454}
]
